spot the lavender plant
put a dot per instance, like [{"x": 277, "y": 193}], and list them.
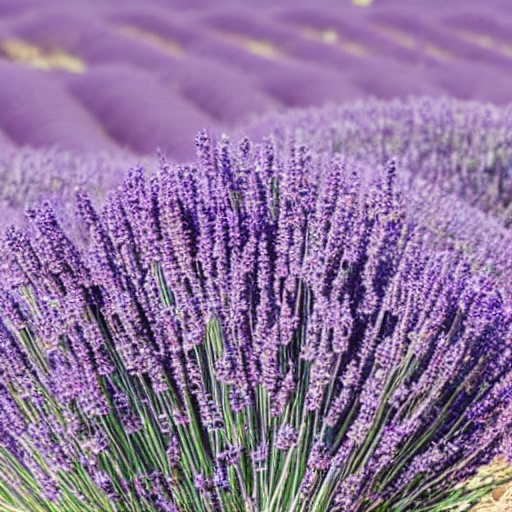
[
  {"x": 258, "y": 332},
  {"x": 451, "y": 224},
  {"x": 454, "y": 161},
  {"x": 29, "y": 176},
  {"x": 462, "y": 147}
]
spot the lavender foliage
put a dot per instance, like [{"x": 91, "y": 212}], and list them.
[
  {"x": 463, "y": 148},
  {"x": 29, "y": 176},
  {"x": 453, "y": 158},
  {"x": 260, "y": 331}
]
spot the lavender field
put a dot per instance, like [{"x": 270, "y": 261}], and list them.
[
  {"x": 113, "y": 71},
  {"x": 255, "y": 256}
]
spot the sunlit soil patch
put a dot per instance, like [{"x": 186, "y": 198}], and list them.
[
  {"x": 486, "y": 41},
  {"x": 155, "y": 40},
  {"x": 397, "y": 36},
  {"x": 36, "y": 57},
  {"x": 437, "y": 52},
  {"x": 332, "y": 37},
  {"x": 260, "y": 47},
  {"x": 410, "y": 42},
  {"x": 362, "y": 3}
]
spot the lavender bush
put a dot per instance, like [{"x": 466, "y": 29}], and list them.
[
  {"x": 454, "y": 161},
  {"x": 464, "y": 148},
  {"x": 261, "y": 331},
  {"x": 451, "y": 224},
  {"x": 29, "y": 176}
]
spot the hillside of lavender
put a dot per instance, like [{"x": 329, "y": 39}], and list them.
[
  {"x": 464, "y": 148},
  {"x": 100, "y": 75},
  {"x": 255, "y": 256},
  {"x": 29, "y": 176}
]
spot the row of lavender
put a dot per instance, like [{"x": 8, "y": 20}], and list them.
[
  {"x": 105, "y": 75},
  {"x": 29, "y": 177},
  {"x": 454, "y": 161},
  {"x": 271, "y": 328},
  {"x": 462, "y": 147}
]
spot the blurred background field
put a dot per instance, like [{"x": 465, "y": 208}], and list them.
[{"x": 102, "y": 75}]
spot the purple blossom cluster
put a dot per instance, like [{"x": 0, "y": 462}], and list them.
[
  {"x": 453, "y": 158},
  {"x": 464, "y": 148},
  {"x": 451, "y": 224},
  {"x": 262, "y": 330}
]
